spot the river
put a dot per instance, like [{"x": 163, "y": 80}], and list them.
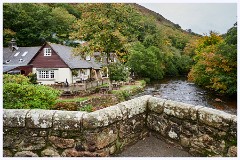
[{"x": 179, "y": 89}]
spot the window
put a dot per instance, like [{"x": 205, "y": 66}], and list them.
[
  {"x": 88, "y": 58},
  {"x": 16, "y": 54},
  {"x": 44, "y": 74},
  {"x": 47, "y": 52},
  {"x": 25, "y": 53}
]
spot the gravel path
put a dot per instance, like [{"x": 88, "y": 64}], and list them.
[{"x": 153, "y": 147}]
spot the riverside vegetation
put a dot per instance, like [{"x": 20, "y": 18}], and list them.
[{"x": 145, "y": 42}]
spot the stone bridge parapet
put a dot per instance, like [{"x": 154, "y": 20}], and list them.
[{"x": 52, "y": 133}]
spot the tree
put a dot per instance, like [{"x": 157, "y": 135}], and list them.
[
  {"x": 216, "y": 63},
  {"x": 109, "y": 28},
  {"x": 118, "y": 72},
  {"x": 62, "y": 22},
  {"x": 190, "y": 48},
  {"x": 146, "y": 62},
  {"x": 32, "y": 24},
  {"x": 69, "y": 7}
]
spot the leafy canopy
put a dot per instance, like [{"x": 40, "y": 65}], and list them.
[
  {"x": 216, "y": 63},
  {"x": 109, "y": 28},
  {"x": 118, "y": 72},
  {"x": 146, "y": 62},
  {"x": 32, "y": 24}
]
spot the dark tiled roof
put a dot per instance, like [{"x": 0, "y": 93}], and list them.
[
  {"x": 66, "y": 53},
  {"x": 12, "y": 58},
  {"x": 7, "y": 68},
  {"x": 95, "y": 63}
]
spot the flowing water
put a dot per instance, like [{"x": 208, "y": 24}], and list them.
[{"x": 179, "y": 89}]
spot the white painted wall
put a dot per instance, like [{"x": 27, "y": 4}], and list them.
[
  {"x": 63, "y": 74},
  {"x": 60, "y": 75}
]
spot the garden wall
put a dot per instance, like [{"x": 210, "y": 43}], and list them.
[{"x": 200, "y": 130}]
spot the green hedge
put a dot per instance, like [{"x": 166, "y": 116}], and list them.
[{"x": 18, "y": 93}]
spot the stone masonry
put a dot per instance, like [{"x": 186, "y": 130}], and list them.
[
  {"x": 52, "y": 133},
  {"x": 200, "y": 130}
]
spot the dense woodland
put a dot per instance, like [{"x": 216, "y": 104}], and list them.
[{"x": 146, "y": 42}]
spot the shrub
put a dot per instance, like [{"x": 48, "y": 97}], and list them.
[
  {"x": 19, "y": 79},
  {"x": 145, "y": 81},
  {"x": 32, "y": 78},
  {"x": 118, "y": 72},
  {"x": 78, "y": 99},
  {"x": 125, "y": 92},
  {"x": 87, "y": 108},
  {"x": 18, "y": 93},
  {"x": 69, "y": 106}
]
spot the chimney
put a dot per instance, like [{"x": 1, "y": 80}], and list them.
[{"x": 13, "y": 45}]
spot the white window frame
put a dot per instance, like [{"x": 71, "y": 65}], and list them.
[
  {"x": 88, "y": 58},
  {"x": 25, "y": 53},
  {"x": 46, "y": 74},
  {"x": 47, "y": 52},
  {"x": 16, "y": 54}
]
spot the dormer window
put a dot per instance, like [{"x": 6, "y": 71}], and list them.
[
  {"x": 47, "y": 51},
  {"x": 88, "y": 58},
  {"x": 16, "y": 54},
  {"x": 25, "y": 53}
]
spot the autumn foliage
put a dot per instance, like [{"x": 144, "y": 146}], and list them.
[{"x": 216, "y": 62}]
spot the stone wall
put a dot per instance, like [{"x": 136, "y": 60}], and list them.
[
  {"x": 200, "y": 130},
  {"x": 72, "y": 133}
]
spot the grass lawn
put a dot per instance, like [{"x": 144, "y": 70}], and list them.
[
  {"x": 129, "y": 90},
  {"x": 75, "y": 99},
  {"x": 137, "y": 84}
]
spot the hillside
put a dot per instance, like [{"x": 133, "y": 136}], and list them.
[
  {"x": 160, "y": 19},
  {"x": 158, "y": 16},
  {"x": 58, "y": 14}
]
